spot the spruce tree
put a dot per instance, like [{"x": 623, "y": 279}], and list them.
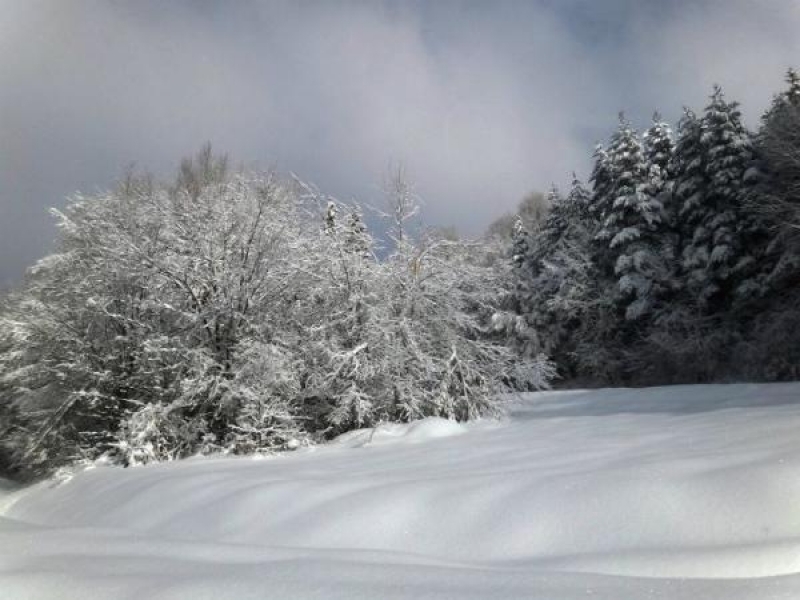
[
  {"x": 715, "y": 252},
  {"x": 568, "y": 221},
  {"x": 658, "y": 152},
  {"x": 631, "y": 227},
  {"x": 777, "y": 195},
  {"x": 793, "y": 93},
  {"x": 602, "y": 180},
  {"x": 688, "y": 188},
  {"x": 555, "y": 223},
  {"x": 657, "y": 143},
  {"x": 578, "y": 205},
  {"x": 356, "y": 237},
  {"x": 520, "y": 244},
  {"x": 330, "y": 218}
]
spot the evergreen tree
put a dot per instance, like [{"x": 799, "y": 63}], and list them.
[
  {"x": 330, "y": 219},
  {"x": 555, "y": 223},
  {"x": 658, "y": 153},
  {"x": 520, "y": 244},
  {"x": 777, "y": 197},
  {"x": 602, "y": 180},
  {"x": 568, "y": 222},
  {"x": 578, "y": 205},
  {"x": 554, "y": 279},
  {"x": 356, "y": 237},
  {"x": 658, "y": 145},
  {"x": 688, "y": 185},
  {"x": 793, "y": 93},
  {"x": 714, "y": 253},
  {"x": 632, "y": 225},
  {"x": 602, "y": 198}
]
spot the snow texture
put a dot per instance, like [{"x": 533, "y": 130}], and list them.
[{"x": 682, "y": 492}]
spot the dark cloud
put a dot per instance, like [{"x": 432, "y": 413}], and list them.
[{"x": 482, "y": 101}]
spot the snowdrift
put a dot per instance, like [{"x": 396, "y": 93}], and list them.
[{"x": 678, "y": 492}]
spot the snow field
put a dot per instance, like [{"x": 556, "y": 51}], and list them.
[{"x": 679, "y": 492}]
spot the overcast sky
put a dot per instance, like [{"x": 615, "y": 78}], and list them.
[{"x": 482, "y": 101}]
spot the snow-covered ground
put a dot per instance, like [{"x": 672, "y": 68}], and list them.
[{"x": 676, "y": 493}]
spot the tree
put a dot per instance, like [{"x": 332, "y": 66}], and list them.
[
  {"x": 714, "y": 254},
  {"x": 658, "y": 147},
  {"x": 531, "y": 211},
  {"x": 152, "y": 292},
  {"x": 413, "y": 337},
  {"x": 555, "y": 223},
  {"x": 777, "y": 198},
  {"x": 233, "y": 312},
  {"x": 689, "y": 186},
  {"x": 603, "y": 182},
  {"x": 632, "y": 225}
]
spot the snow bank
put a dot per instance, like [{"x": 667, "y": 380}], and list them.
[
  {"x": 392, "y": 433},
  {"x": 680, "y": 492}
]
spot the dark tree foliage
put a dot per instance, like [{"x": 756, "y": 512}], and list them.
[{"x": 687, "y": 264}]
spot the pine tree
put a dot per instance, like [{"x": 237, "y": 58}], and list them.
[
  {"x": 658, "y": 145},
  {"x": 777, "y": 195},
  {"x": 602, "y": 180},
  {"x": 568, "y": 222},
  {"x": 330, "y": 219},
  {"x": 658, "y": 153},
  {"x": 356, "y": 237},
  {"x": 603, "y": 183},
  {"x": 555, "y": 224},
  {"x": 793, "y": 93},
  {"x": 556, "y": 286},
  {"x": 714, "y": 253},
  {"x": 688, "y": 187},
  {"x": 631, "y": 227},
  {"x": 519, "y": 243},
  {"x": 578, "y": 205}
]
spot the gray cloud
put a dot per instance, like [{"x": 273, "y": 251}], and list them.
[{"x": 482, "y": 101}]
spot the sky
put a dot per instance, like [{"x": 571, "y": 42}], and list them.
[{"x": 482, "y": 102}]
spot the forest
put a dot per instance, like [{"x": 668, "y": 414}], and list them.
[{"x": 234, "y": 312}]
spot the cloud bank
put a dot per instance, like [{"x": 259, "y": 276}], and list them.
[{"x": 483, "y": 102}]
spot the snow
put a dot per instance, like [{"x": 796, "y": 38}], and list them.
[
  {"x": 674, "y": 493},
  {"x": 424, "y": 429}
]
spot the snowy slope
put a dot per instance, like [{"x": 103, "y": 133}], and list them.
[{"x": 681, "y": 492}]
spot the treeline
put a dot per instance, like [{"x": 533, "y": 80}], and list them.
[
  {"x": 234, "y": 312},
  {"x": 679, "y": 261},
  {"x": 239, "y": 313}
]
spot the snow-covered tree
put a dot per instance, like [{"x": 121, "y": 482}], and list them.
[
  {"x": 777, "y": 197},
  {"x": 556, "y": 284},
  {"x": 555, "y": 223},
  {"x": 578, "y": 205},
  {"x": 659, "y": 147},
  {"x": 520, "y": 243},
  {"x": 146, "y": 303},
  {"x": 713, "y": 253},
  {"x": 233, "y": 312},
  {"x": 632, "y": 225},
  {"x": 689, "y": 180},
  {"x": 603, "y": 183},
  {"x": 357, "y": 238},
  {"x": 413, "y": 337}
]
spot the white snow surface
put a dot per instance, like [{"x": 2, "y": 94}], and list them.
[{"x": 686, "y": 492}]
